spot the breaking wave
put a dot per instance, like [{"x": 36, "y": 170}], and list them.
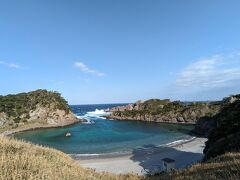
[
  {"x": 97, "y": 113},
  {"x": 89, "y": 116}
]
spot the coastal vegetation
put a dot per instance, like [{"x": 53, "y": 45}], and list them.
[
  {"x": 166, "y": 111},
  {"x": 40, "y": 106},
  {"x": 225, "y": 135},
  {"x": 17, "y": 105}
]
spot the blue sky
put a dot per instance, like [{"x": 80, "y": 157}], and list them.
[{"x": 113, "y": 51}]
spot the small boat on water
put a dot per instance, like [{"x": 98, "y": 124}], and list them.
[{"x": 68, "y": 134}]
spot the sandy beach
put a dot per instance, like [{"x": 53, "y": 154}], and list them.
[{"x": 148, "y": 158}]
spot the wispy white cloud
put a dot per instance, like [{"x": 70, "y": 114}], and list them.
[
  {"x": 10, "y": 65},
  {"x": 86, "y": 69},
  {"x": 218, "y": 71}
]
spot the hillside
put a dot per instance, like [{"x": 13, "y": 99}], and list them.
[
  {"x": 225, "y": 135},
  {"x": 165, "y": 111},
  {"x": 34, "y": 109},
  {"x": 20, "y": 160}
]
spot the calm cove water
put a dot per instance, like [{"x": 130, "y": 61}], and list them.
[{"x": 100, "y": 136}]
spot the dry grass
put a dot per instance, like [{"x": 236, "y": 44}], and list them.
[
  {"x": 20, "y": 160},
  {"x": 225, "y": 167}
]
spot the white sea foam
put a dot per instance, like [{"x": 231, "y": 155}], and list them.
[
  {"x": 83, "y": 155},
  {"x": 170, "y": 144},
  {"x": 110, "y": 154},
  {"x": 93, "y": 114},
  {"x": 179, "y": 141},
  {"x": 88, "y": 121},
  {"x": 97, "y": 113}
]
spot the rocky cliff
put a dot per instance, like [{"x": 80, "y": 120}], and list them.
[
  {"x": 165, "y": 111},
  {"x": 225, "y": 134},
  {"x": 40, "y": 106}
]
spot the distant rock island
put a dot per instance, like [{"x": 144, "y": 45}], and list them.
[{"x": 40, "y": 108}]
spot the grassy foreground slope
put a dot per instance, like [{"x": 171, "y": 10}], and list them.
[
  {"x": 20, "y": 160},
  {"x": 224, "y": 167}
]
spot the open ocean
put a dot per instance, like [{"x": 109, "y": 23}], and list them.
[{"x": 101, "y": 136}]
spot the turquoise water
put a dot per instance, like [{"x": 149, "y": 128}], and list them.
[{"x": 105, "y": 136}]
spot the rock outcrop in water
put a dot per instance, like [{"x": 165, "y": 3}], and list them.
[
  {"x": 165, "y": 111},
  {"x": 42, "y": 107}
]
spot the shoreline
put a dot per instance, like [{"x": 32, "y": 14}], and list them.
[
  {"x": 127, "y": 152},
  {"x": 143, "y": 160},
  {"x": 146, "y": 159},
  {"x": 113, "y": 118},
  {"x": 37, "y": 126}
]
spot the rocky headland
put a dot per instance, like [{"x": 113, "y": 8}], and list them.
[
  {"x": 225, "y": 134},
  {"x": 36, "y": 109},
  {"x": 165, "y": 111}
]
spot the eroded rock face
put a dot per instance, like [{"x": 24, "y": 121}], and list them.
[
  {"x": 205, "y": 125},
  {"x": 225, "y": 134},
  {"x": 51, "y": 116},
  {"x": 41, "y": 106},
  {"x": 3, "y": 118},
  {"x": 230, "y": 99},
  {"x": 164, "y": 111}
]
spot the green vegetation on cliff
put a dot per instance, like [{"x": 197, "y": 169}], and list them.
[
  {"x": 154, "y": 107},
  {"x": 166, "y": 111},
  {"x": 40, "y": 106},
  {"x": 225, "y": 135},
  {"x": 16, "y": 105}
]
